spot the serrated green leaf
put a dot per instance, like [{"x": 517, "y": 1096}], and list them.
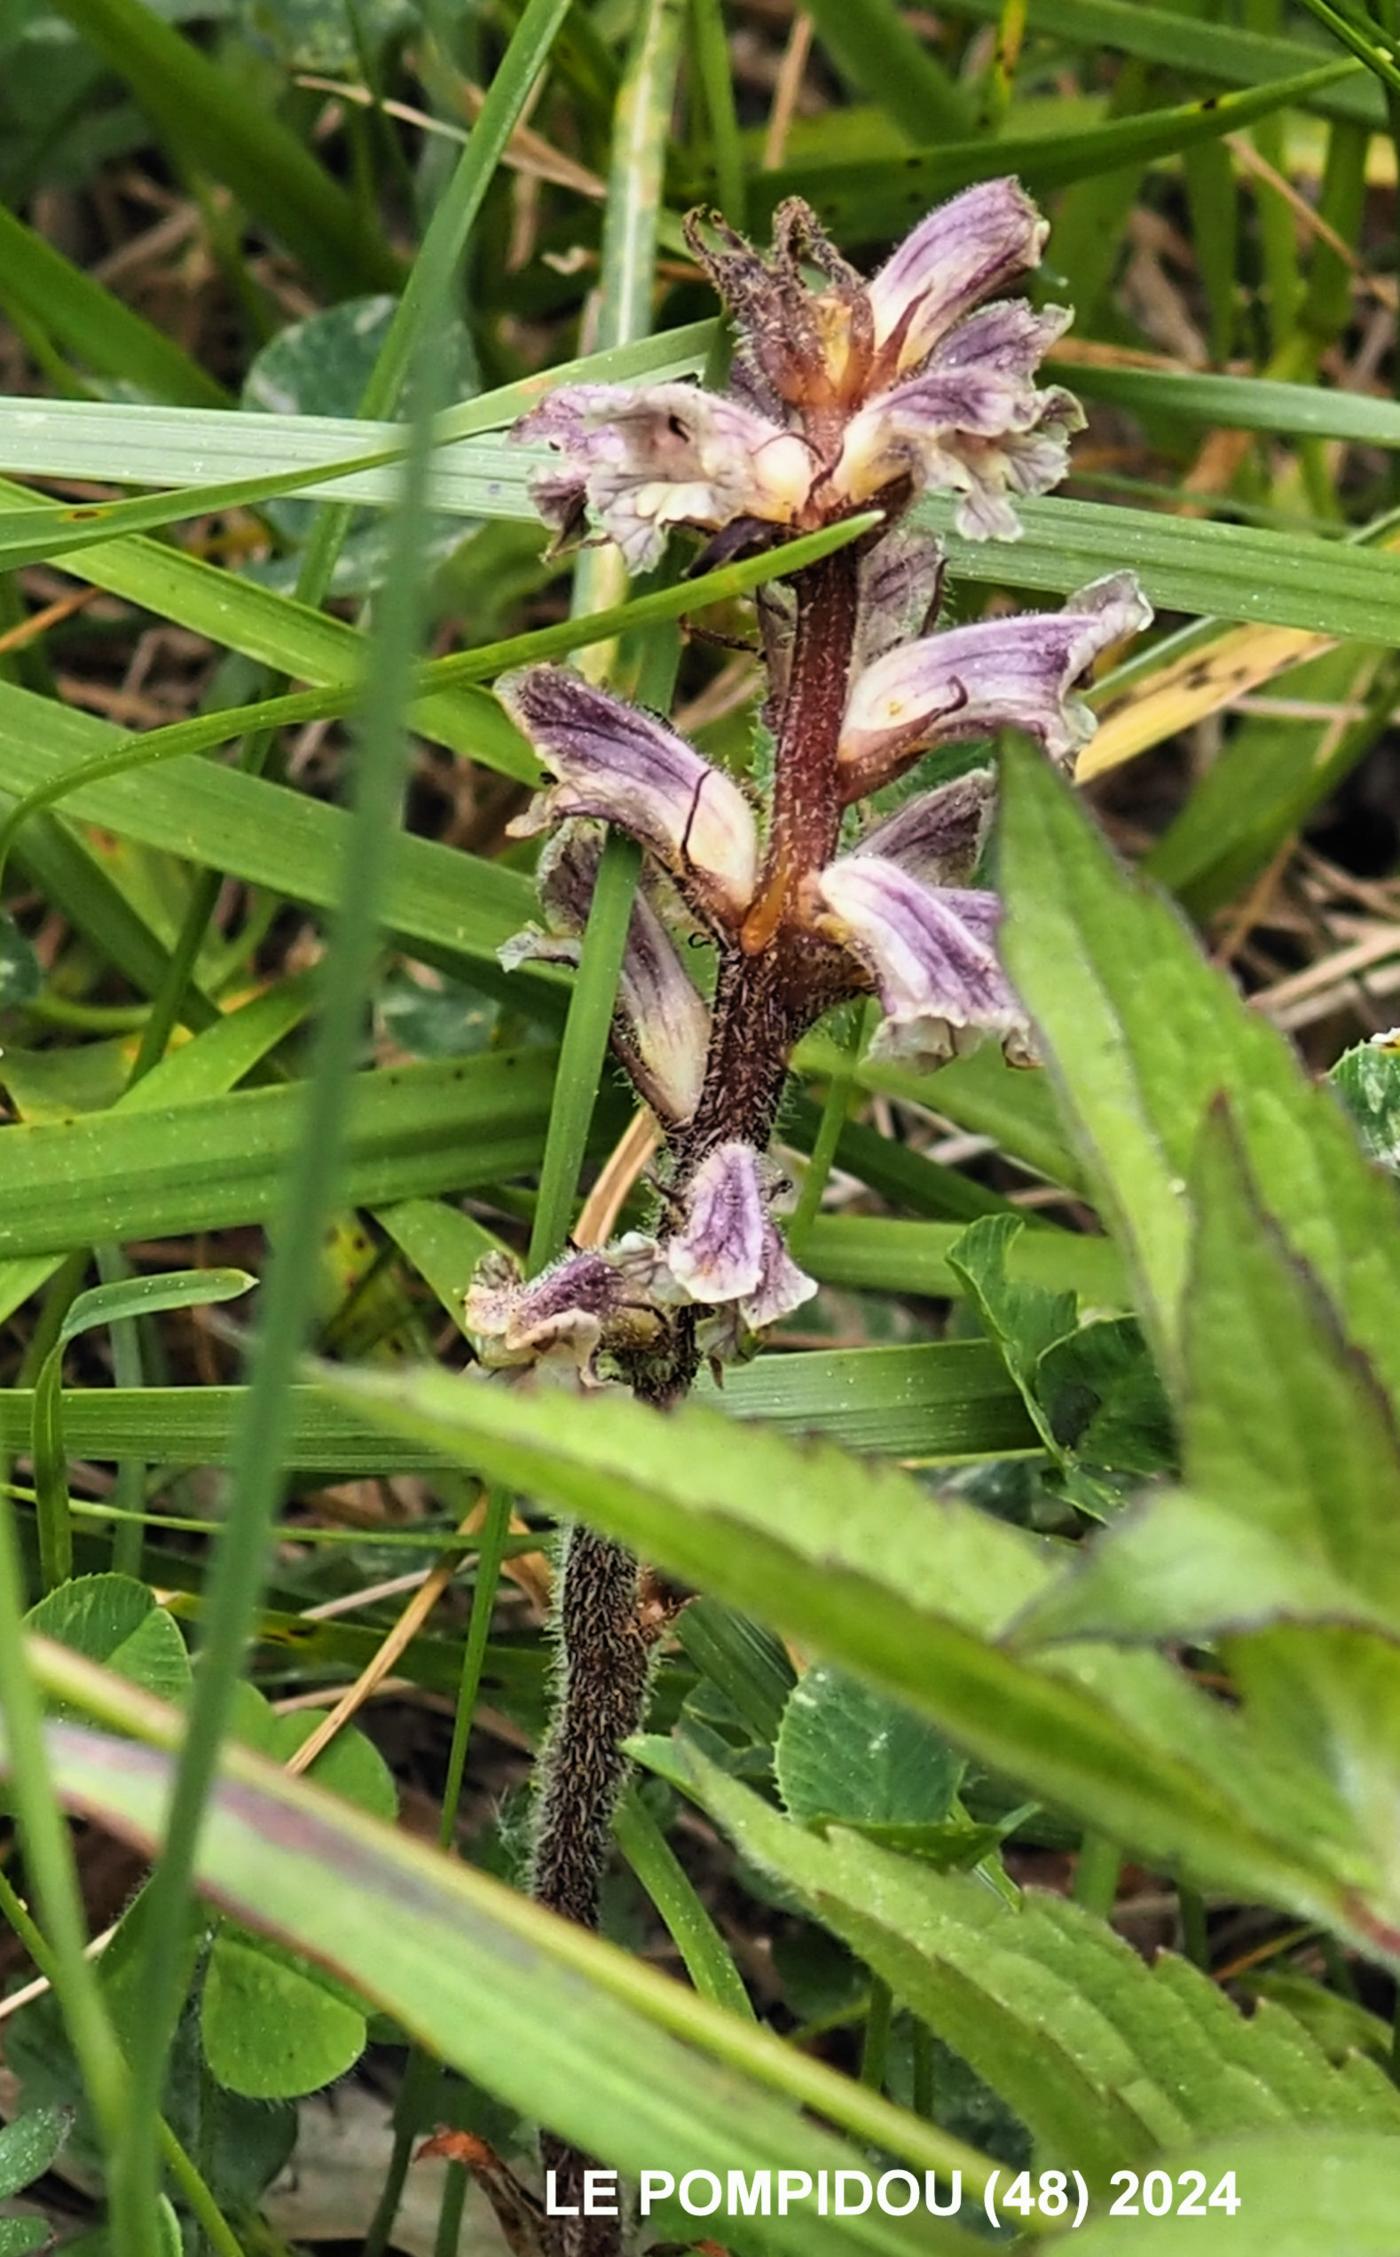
[
  {"x": 909, "y": 1591},
  {"x": 1294, "y": 2197},
  {"x": 1341, "y": 2026},
  {"x": 1105, "y": 2059},
  {"x": 1142, "y": 1036},
  {"x": 1289, "y": 1445}
]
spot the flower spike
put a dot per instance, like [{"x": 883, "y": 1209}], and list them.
[
  {"x": 622, "y": 765},
  {"x": 843, "y": 393}
]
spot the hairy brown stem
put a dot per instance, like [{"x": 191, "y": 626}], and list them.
[
  {"x": 806, "y": 812},
  {"x": 774, "y": 979}
]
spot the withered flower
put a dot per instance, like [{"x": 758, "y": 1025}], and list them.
[{"x": 583, "y": 1305}]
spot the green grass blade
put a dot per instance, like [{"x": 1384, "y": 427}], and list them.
[
  {"x": 61, "y": 529},
  {"x": 876, "y": 50},
  {"x": 132, "y": 444},
  {"x": 307, "y": 1196},
  {"x": 450, "y": 908},
  {"x": 207, "y": 730},
  {"x": 1229, "y": 571},
  {"x": 693, "y": 1932},
  {"x": 709, "y": 41},
  {"x": 241, "y": 615},
  {"x": 1352, "y": 35},
  {"x": 141, "y": 1171},
  {"x": 1211, "y": 49},
  {"x": 872, "y": 1254},
  {"x": 216, "y": 1060},
  {"x": 861, "y": 203},
  {"x": 627, "y": 282},
  {"x": 91, "y": 322},
  {"x": 102, "y": 1304},
  {"x": 206, "y": 116},
  {"x": 944, "y": 1404}
]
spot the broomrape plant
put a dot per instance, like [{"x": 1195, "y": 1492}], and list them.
[{"x": 845, "y": 394}]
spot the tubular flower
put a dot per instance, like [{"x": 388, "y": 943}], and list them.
[
  {"x": 674, "y": 455},
  {"x": 931, "y": 953},
  {"x": 988, "y": 236},
  {"x": 661, "y": 1028},
  {"x": 972, "y": 681},
  {"x": 624, "y": 766},
  {"x": 727, "y": 1250},
  {"x": 582, "y": 1306}
]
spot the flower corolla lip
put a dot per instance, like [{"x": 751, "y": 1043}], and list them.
[
  {"x": 967, "y": 248},
  {"x": 1013, "y": 673},
  {"x": 931, "y": 955},
  {"x": 728, "y": 1249},
  {"x": 648, "y": 458}
]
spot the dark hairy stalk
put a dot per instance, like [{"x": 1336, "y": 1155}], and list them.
[
  {"x": 765, "y": 999},
  {"x": 764, "y": 1002},
  {"x": 848, "y": 398}
]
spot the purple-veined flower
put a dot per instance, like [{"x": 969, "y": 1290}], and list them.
[
  {"x": 931, "y": 955},
  {"x": 626, "y": 767},
  {"x": 841, "y": 392},
  {"x": 970, "y": 682},
  {"x": 727, "y": 1250},
  {"x": 661, "y": 1029},
  {"x": 581, "y": 1306},
  {"x": 965, "y": 250},
  {"x": 645, "y": 461}
]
